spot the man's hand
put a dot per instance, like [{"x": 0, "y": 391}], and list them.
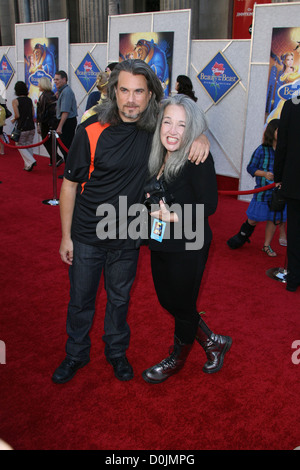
[
  {"x": 66, "y": 251},
  {"x": 63, "y": 118},
  {"x": 199, "y": 150}
]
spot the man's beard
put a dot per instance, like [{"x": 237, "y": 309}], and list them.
[{"x": 132, "y": 116}]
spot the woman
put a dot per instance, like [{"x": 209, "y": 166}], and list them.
[
  {"x": 184, "y": 86},
  {"x": 46, "y": 114},
  {"x": 261, "y": 167},
  {"x": 178, "y": 262},
  {"x": 23, "y": 115}
]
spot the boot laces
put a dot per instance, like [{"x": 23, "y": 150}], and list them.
[{"x": 169, "y": 361}]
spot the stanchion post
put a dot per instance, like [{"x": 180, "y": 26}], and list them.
[
  {"x": 54, "y": 201},
  {"x": 53, "y": 137}
]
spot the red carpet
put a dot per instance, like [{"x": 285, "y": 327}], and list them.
[{"x": 252, "y": 403}]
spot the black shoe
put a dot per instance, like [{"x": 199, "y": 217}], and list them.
[
  {"x": 215, "y": 347},
  {"x": 242, "y": 236},
  {"x": 30, "y": 168},
  {"x": 67, "y": 370},
  {"x": 169, "y": 366},
  {"x": 122, "y": 369}
]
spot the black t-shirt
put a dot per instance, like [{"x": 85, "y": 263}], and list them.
[
  {"x": 108, "y": 162},
  {"x": 25, "y": 121}
]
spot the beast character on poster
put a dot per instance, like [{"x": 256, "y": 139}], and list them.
[
  {"x": 284, "y": 72},
  {"x": 40, "y": 60},
  {"x": 156, "y": 49}
]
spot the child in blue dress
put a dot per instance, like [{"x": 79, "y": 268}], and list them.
[{"x": 261, "y": 167}]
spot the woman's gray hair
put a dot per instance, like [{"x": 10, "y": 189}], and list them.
[
  {"x": 195, "y": 126},
  {"x": 108, "y": 111}
]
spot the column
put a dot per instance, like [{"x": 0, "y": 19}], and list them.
[
  {"x": 7, "y": 32},
  {"x": 57, "y": 9},
  {"x": 193, "y": 5}
]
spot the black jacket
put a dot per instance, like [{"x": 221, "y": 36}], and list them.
[{"x": 287, "y": 154}]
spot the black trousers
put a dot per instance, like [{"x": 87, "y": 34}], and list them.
[
  {"x": 177, "y": 279},
  {"x": 48, "y": 144},
  {"x": 293, "y": 240}
]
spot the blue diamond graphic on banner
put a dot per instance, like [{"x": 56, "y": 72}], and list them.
[
  {"x": 87, "y": 72},
  {"x": 6, "y": 71},
  {"x": 218, "y": 77}
]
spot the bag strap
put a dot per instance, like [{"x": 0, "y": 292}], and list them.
[{"x": 275, "y": 218}]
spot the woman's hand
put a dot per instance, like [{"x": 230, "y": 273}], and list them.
[{"x": 164, "y": 214}]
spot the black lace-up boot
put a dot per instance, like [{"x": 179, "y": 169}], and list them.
[
  {"x": 169, "y": 366},
  {"x": 215, "y": 347},
  {"x": 242, "y": 236}
]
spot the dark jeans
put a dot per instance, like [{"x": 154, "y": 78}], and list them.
[
  {"x": 119, "y": 272},
  {"x": 177, "y": 278}
]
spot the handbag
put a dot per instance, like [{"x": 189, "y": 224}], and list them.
[
  {"x": 16, "y": 133},
  {"x": 277, "y": 203}
]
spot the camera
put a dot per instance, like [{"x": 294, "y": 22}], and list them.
[{"x": 157, "y": 190}]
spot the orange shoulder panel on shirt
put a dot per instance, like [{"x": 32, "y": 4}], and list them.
[{"x": 93, "y": 131}]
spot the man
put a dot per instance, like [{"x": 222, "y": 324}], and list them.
[
  {"x": 287, "y": 172},
  {"x": 108, "y": 159},
  {"x": 66, "y": 110}
]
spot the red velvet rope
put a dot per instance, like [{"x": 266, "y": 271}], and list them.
[
  {"x": 62, "y": 144},
  {"x": 25, "y": 146}
]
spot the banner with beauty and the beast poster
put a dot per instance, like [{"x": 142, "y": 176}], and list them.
[
  {"x": 40, "y": 60},
  {"x": 284, "y": 70},
  {"x": 156, "y": 49}
]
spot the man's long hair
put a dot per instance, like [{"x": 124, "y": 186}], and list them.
[
  {"x": 108, "y": 111},
  {"x": 195, "y": 125}
]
